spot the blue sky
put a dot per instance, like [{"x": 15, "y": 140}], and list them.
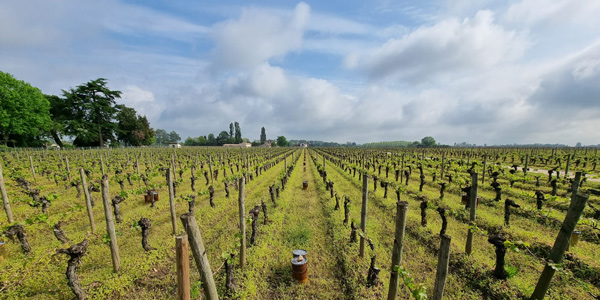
[{"x": 482, "y": 71}]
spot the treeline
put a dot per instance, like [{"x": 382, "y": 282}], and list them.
[
  {"x": 233, "y": 136},
  {"x": 89, "y": 113},
  {"x": 321, "y": 143},
  {"x": 427, "y": 141}
]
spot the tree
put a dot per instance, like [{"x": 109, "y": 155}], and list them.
[
  {"x": 282, "y": 141},
  {"x": 24, "y": 112},
  {"x": 93, "y": 111},
  {"x": 238, "y": 133},
  {"x": 211, "y": 141},
  {"x": 174, "y": 137},
  {"x": 231, "y": 131},
  {"x": 133, "y": 129},
  {"x": 222, "y": 138},
  {"x": 60, "y": 114},
  {"x": 263, "y": 136},
  {"x": 162, "y": 137},
  {"x": 428, "y": 141}
]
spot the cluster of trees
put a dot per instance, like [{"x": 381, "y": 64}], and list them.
[
  {"x": 233, "y": 136},
  {"x": 89, "y": 113},
  {"x": 425, "y": 142},
  {"x": 162, "y": 137},
  {"x": 322, "y": 143}
]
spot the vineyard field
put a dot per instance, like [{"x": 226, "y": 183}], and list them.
[{"x": 301, "y": 198}]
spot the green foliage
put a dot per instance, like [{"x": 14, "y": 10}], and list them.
[
  {"x": 511, "y": 271},
  {"x": 392, "y": 144},
  {"x": 238, "y": 133},
  {"x": 24, "y": 112},
  {"x": 515, "y": 246},
  {"x": 92, "y": 113},
  {"x": 282, "y": 141},
  {"x": 223, "y": 138},
  {"x": 298, "y": 235},
  {"x": 263, "y": 135},
  {"x": 417, "y": 291},
  {"x": 428, "y": 141},
  {"x": 474, "y": 229},
  {"x": 133, "y": 129},
  {"x": 41, "y": 218},
  {"x": 135, "y": 226},
  {"x": 195, "y": 289}
]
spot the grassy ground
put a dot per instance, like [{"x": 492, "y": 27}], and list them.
[{"x": 303, "y": 219}]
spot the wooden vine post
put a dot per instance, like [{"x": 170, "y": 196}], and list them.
[
  {"x": 567, "y": 168},
  {"x": 102, "y": 164},
  {"x": 363, "y": 213},
  {"x": 442, "y": 170},
  {"x": 183, "y": 268},
  {"x": 5, "y": 197},
  {"x": 31, "y": 165},
  {"x": 241, "y": 200},
  {"x": 442, "y": 267},
  {"x": 473, "y": 206},
  {"x": 199, "y": 252},
  {"x": 526, "y": 164},
  {"x": 88, "y": 200},
  {"x": 575, "y": 184},
  {"x": 210, "y": 169},
  {"x": 576, "y": 207},
  {"x": 137, "y": 165},
  {"x": 483, "y": 171},
  {"x": 68, "y": 167},
  {"x": 172, "y": 200},
  {"x": 401, "y": 209},
  {"x": 110, "y": 225}
]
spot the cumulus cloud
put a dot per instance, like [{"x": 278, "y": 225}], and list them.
[
  {"x": 447, "y": 46},
  {"x": 572, "y": 85},
  {"x": 258, "y": 36},
  {"x": 142, "y": 100},
  {"x": 554, "y": 12}
]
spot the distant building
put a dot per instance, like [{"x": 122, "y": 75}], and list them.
[
  {"x": 240, "y": 145},
  {"x": 174, "y": 145},
  {"x": 265, "y": 145},
  {"x": 303, "y": 145}
]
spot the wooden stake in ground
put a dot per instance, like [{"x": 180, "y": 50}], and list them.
[
  {"x": 401, "y": 209},
  {"x": 31, "y": 165},
  {"x": 199, "y": 252},
  {"x": 526, "y": 164},
  {"x": 210, "y": 169},
  {"x": 5, "y": 197},
  {"x": 172, "y": 200},
  {"x": 88, "y": 200},
  {"x": 442, "y": 267},
  {"x": 472, "y": 205},
  {"x": 68, "y": 167},
  {"x": 567, "y": 168},
  {"x": 110, "y": 225},
  {"x": 241, "y": 200},
  {"x": 363, "y": 214},
  {"x": 578, "y": 203},
  {"x": 183, "y": 268},
  {"x": 483, "y": 171}
]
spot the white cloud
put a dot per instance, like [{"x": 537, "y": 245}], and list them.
[
  {"x": 554, "y": 13},
  {"x": 448, "y": 46},
  {"x": 142, "y": 101},
  {"x": 258, "y": 36}
]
